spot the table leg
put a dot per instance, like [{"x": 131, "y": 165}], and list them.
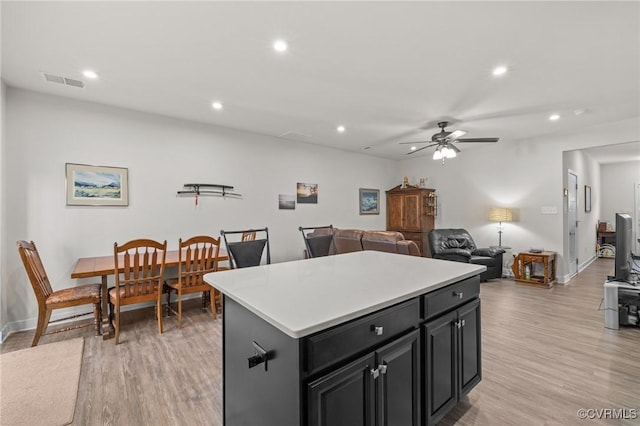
[{"x": 107, "y": 328}]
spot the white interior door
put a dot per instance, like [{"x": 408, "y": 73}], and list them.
[{"x": 572, "y": 221}]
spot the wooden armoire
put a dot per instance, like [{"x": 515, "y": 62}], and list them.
[{"x": 412, "y": 210}]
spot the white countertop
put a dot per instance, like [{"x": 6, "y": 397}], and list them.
[{"x": 310, "y": 295}]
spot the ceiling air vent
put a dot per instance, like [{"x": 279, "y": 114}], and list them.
[
  {"x": 63, "y": 80},
  {"x": 74, "y": 83}
]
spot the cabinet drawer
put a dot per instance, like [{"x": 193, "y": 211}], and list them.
[
  {"x": 451, "y": 296},
  {"x": 526, "y": 258},
  {"x": 334, "y": 345}
]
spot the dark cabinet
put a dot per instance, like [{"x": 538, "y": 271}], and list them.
[
  {"x": 403, "y": 365},
  {"x": 345, "y": 397},
  {"x": 381, "y": 388},
  {"x": 412, "y": 211},
  {"x": 452, "y": 358}
]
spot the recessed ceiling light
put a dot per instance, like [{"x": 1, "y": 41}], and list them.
[
  {"x": 90, "y": 74},
  {"x": 554, "y": 117},
  {"x": 413, "y": 148},
  {"x": 499, "y": 70},
  {"x": 280, "y": 46},
  {"x": 341, "y": 129},
  {"x": 217, "y": 105}
]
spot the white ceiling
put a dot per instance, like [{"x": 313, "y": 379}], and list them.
[{"x": 388, "y": 71}]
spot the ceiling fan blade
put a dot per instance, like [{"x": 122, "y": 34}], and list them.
[
  {"x": 456, "y": 134},
  {"x": 477, "y": 140},
  {"x": 413, "y": 143},
  {"x": 420, "y": 149}
]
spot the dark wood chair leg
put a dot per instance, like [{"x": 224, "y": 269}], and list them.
[{"x": 43, "y": 320}]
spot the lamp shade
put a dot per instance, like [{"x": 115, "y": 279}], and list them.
[{"x": 500, "y": 214}]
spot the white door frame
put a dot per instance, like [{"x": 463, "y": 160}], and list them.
[{"x": 572, "y": 223}]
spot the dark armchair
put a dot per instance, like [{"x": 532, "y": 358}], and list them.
[{"x": 458, "y": 246}]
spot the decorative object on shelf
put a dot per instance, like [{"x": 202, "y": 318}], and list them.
[
  {"x": 587, "y": 198},
  {"x": 219, "y": 190},
  {"x": 500, "y": 214},
  {"x": 96, "y": 185},
  {"x": 423, "y": 182},
  {"x": 286, "y": 202},
  {"x": 307, "y": 193},
  {"x": 405, "y": 182},
  {"x": 369, "y": 201}
]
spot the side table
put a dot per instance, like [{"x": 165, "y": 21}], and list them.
[{"x": 548, "y": 261}]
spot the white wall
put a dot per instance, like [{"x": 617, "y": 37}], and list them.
[
  {"x": 522, "y": 174},
  {"x": 588, "y": 173},
  {"x": 618, "y": 181},
  {"x": 3, "y": 128},
  {"x": 161, "y": 154},
  {"x": 618, "y": 194}
]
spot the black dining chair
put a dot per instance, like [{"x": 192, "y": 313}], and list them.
[
  {"x": 245, "y": 253},
  {"x": 319, "y": 242}
]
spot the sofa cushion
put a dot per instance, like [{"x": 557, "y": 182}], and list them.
[
  {"x": 381, "y": 241},
  {"x": 347, "y": 240}
]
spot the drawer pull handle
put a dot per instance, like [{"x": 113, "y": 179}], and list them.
[
  {"x": 377, "y": 329},
  {"x": 458, "y": 295},
  {"x": 260, "y": 355},
  {"x": 375, "y": 373},
  {"x": 382, "y": 368},
  {"x": 459, "y": 324}
]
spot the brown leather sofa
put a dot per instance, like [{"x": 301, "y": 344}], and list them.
[{"x": 350, "y": 240}]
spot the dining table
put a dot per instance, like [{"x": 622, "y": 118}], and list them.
[{"x": 103, "y": 266}]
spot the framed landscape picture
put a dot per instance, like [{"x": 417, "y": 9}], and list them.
[
  {"x": 96, "y": 185},
  {"x": 369, "y": 201},
  {"x": 307, "y": 193}
]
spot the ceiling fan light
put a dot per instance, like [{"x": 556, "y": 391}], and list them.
[
  {"x": 437, "y": 154},
  {"x": 451, "y": 154}
]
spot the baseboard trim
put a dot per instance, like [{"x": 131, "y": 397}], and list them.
[
  {"x": 581, "y": 267},
  {"x": 30, "y": 323}
]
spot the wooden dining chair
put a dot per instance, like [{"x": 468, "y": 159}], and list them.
[
  {"x": 139, "y": 266},
  {"x": 48, "y": 300},
  {"x": 248, "y": 236},
  {"x": 197, "y": 256}
]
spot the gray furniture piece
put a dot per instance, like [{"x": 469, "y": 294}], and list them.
[{"x": 457, "y": 245}]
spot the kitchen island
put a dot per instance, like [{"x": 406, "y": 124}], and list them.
[{"x": 355, "y": 339}]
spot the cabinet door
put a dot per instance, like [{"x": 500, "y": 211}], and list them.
[
  {"x": 344, "y": 397},
  {"x": 469, "y": 346},
  {"x": 398, "y": 390},
  {"x": 441, "y": 390},
  {"x": 394, "y": 211},
  {"x": 411, "y": 212}
]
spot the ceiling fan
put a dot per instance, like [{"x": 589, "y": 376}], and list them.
[{"x": 444, "y": 141}]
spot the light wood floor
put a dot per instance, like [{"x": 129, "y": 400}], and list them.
[{"x": 546, "y": 354}]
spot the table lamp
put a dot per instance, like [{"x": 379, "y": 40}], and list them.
[{"x": 500, "y": 214}]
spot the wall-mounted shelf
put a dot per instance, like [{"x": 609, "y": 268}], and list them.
[{"x": 196, "y": 189}]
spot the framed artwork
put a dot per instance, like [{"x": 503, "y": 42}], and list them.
[
  {"x": 587, "y": 198},
  {"x": 369, "y": 201},
  {"x": 286, "y": 202},
  {"x": 307, "y": 193},
  {"x": 96, "y": 185}
]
